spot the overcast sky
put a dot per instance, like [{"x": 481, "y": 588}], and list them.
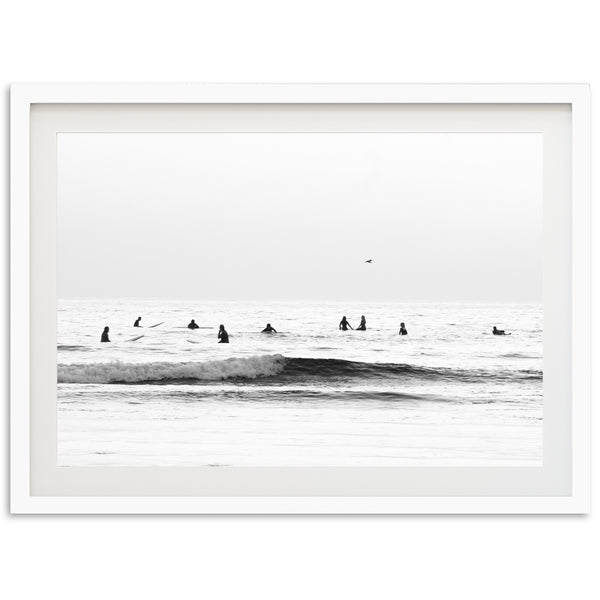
[{"x": 294, "y": 216}]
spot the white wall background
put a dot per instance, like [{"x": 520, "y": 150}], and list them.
[{"x": 297, "y": 557}]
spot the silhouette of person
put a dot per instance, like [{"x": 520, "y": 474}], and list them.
[
  {"x": 223, "y": 336},
  {"x": 344, "y": 324},
  {"x": 137, "y": 322},
  {"x": 499, "y": 331},
  {"x": 402, "y": 329},
  {"x": 104, "y": 337},
  {"x": 363, "y": 324},
  {"x": 193, "y": 325},
  {"x": 269, "y": 329}
]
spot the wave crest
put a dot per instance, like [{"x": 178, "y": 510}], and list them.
[
  {"x": 165, "y": 372},
  {"x": 276, "y": 367}
]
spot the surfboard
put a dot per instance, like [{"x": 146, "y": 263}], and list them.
[
  {"x": 135, "y": 339},
  {"x": 192, "y": 341},
  {"x": 156, "y": 325}
]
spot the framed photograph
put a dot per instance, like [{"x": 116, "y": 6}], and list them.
[{"x": 300, "y": 298}]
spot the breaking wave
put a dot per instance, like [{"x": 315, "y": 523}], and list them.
[
  {"x": 273, "y": 368},
  {"x": 162, "y": 372}
]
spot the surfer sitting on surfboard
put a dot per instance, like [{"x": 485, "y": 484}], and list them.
[
  {"x": 223, "y": 336},
  {"x": 344, "y": 324},
  {"x": 137, "y": 322},
  {"x": 104, "y": 337},
  {"x": 499, "y": 331},
  {"x": 402, "y": 329},
  {"x": 269, "y": 329},
  {"x": 193, "y": 325},
  {"x": 363, "y": 324}
]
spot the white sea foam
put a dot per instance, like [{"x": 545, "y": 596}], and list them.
[{"x": 122, "y": 372}]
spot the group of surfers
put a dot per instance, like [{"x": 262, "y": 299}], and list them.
[
  {"x": 223, "y": 336},
  {"x": 363, "y": 325}
]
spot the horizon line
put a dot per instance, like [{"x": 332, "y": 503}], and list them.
[{"x": 300, "y": 300}]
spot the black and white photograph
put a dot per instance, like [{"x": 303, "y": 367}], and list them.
[{"x": 300, "y": 299}]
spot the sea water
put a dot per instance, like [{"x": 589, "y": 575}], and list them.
[{"x": 448, "y": 393}]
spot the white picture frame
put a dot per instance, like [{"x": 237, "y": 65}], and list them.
[{"x": 39, "y": 487}]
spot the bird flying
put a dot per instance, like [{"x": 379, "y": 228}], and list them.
[{"x": 369, "y": 261}]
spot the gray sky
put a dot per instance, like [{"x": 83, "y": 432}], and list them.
[{"x": 294, "y": 216}]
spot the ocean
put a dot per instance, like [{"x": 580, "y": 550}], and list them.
[{"x": 449, "y": 393}]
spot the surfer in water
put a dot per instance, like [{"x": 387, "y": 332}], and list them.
[
  {"x": 193, "y": 325},
  {"x": 363, "y": 324},
  {"x": 402, "y": 329},
  {"x": 496, "y": 331},
  {"x": 269, "y": 329},
  {"x": 223, "y": 336},
  {"x": 104, "y": 337},
  {"x": 137, "y": 322},
  {"x": 344, "y": 324}
]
